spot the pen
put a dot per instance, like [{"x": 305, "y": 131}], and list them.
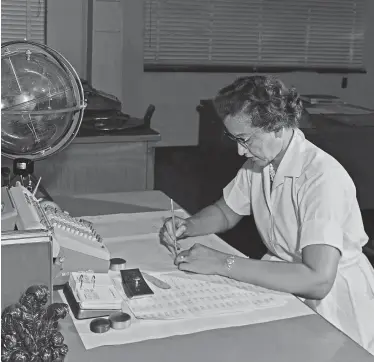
[{"x": 173, "y": 222}]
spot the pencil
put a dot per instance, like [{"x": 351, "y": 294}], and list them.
[
  {"x": 173, "y": 222},
  {"x": 36, "y": 187}
]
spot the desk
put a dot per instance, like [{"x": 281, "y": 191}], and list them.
[{"x": 308, "y": 338}]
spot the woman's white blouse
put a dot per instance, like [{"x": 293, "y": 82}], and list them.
[{"x": 312, "y": 201}]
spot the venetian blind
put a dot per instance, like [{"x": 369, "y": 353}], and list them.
[
  {"x": 23, "y": 19},
  {"x": 301, "y": 33}
]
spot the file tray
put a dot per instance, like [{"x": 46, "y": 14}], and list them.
[{"x": 80, "y": 313}]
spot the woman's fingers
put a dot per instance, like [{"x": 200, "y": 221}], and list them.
[
  {"x": 169, "y": 227},
  {"x": 167, "y": 234},
  {"x": 180, "y": 228},
  {"x": 181, "y": 257},
  {"x": 168, "y": 238},
  {"x": 167, "y": 242},
  {"x": 186, "y": 267}
]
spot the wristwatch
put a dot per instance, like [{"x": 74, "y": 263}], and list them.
[{"x": 230, "y": 260}]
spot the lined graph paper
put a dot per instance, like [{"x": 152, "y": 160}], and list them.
[{"x": 190, "y": 298}]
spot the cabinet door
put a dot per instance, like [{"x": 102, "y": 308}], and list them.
[{"x": 94, "y": 168}]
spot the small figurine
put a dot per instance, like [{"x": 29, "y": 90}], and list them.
[{"x": 29, "y": 331}]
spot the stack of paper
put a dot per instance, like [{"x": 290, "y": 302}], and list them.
[{"x": 95, "y": 291}]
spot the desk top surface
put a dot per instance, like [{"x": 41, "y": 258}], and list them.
[
  {"x": 337, "y": 122},
  {"x": 308, "y": 338},
  {"x": 139, "y": 134}
]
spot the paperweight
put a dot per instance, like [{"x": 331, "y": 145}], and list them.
[
  {"x": 117, "y": 264},
  {"x": 100, "y": 325},
  {"x": 119, "y": 320}
]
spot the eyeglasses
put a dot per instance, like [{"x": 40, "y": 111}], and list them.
[{"x": 242, "y": 142}]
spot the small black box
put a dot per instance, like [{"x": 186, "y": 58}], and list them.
[{"x": 134, "y": 284}]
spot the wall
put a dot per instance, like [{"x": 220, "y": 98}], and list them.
[
  {"x": 106, "y": 48},
  {"x": 176, "y": 95},
  {"x": 67, "y": 30}
]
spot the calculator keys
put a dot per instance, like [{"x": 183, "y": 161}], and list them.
[{"x": 78, "y": 227}]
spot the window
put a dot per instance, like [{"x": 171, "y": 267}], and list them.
[
  {"x": 254, "y": 35},
  {"x": 23, "y": 19}
]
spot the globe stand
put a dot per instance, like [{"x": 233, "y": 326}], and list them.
[{"x": 24, "y": 169}]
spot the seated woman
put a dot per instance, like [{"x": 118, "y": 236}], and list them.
[{"x": 304, "y": 205}]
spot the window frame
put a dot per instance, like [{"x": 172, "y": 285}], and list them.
[
  {"x": 44, "y": 41},
  {"x": 214, "y": 68}
]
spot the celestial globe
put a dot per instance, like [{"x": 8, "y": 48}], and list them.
[{"x": 42, "y": 101}]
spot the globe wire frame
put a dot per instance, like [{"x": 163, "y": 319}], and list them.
[{"x": 68, "y": 137}]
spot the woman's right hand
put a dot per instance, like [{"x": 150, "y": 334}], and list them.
[{"x": 167, "y": 234}]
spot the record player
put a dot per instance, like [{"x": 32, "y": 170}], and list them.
[{"x": 103, "y": 113}]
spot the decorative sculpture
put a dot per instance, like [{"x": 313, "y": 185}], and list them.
[{"x": 29, "y": 330}]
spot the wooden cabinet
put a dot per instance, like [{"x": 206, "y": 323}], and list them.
[{"x": 100, "y": 164}]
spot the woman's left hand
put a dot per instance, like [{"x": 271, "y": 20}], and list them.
[{"x": 201, "y": 259}]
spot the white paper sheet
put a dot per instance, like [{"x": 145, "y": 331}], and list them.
[
  {"x": 194, "y": 298},
  {"x": 144, "y": 251},
  {"x": 141, "y": 330},
  {"x": 122, "y": 226},
  {"x": 135, "y": 238}
]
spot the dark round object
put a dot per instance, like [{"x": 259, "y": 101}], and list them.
[
  {"x": 117, "y": 264},
  {"x": 100, "y": 325},
  {"x": 120, "y": 320}
]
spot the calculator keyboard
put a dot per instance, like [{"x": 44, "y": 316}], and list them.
[
  {"x": 77, "y": 227},
  {"x": 39, "y": 210},
  {"x": 70, "y": 233},
  {"x": 76, "y": 234}
]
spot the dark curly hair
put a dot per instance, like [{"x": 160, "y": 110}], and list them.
[{"x": 265, "y": 99}]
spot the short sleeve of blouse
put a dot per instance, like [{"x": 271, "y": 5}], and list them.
[
  {"x": 237, "y": 192},
  {"x": 323, "y": 208}
]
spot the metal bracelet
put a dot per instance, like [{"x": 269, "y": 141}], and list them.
[{"x": 230, "y": 260}]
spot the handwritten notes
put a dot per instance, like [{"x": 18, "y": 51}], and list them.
[{"x": 191, "y": 298}]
